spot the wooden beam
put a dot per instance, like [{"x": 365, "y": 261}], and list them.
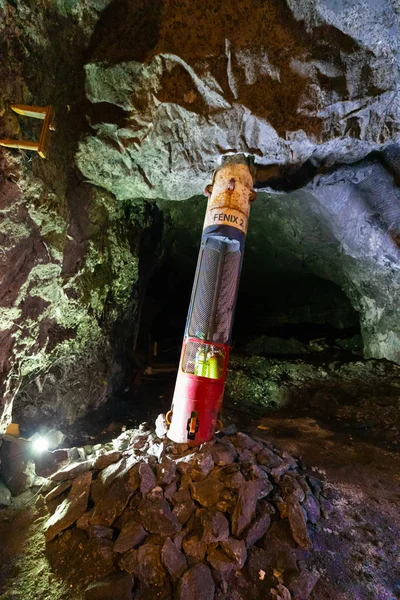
[
  {"x": 20, "y": 144},
  {"x": 45, "y": 132},
  {"x": 36, "y": 112}
]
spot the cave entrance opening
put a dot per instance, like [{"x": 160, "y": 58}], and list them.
[{"x": 288, "y": 312}]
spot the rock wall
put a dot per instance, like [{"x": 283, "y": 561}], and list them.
[
  {"x": 340, "y": 227},
  {"x": 71, "y": 282},
  {"x": 67, "y": 282}
]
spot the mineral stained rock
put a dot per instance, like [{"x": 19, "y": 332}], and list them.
[
  {"x": 173, "y": 559},
  {"x": 72, "y": 508},
  {"x": 207, "y": 492},
  {"x": 279, "y": 80},
  {"x": 196, "y": 583},
  {"x": 235, "y": 550}
]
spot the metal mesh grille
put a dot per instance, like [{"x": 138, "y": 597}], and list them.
[
  {"x": 214, "y": 296},
  {"x": 204, "y": 296},
  {"x": 227, "y": 297},
  {"x": 204, "y": 360}
]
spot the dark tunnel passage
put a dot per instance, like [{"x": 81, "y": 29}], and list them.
[{"x": 276, "y": 305}]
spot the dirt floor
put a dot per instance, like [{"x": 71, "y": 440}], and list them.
[
  {"x": 357, "y": 547},
  {"x": 359, "y": 544}
]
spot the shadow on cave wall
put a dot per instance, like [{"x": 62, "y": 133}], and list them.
[{"x": 126, "y": 30}]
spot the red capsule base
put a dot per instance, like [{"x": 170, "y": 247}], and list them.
[{"x": 198, "y": 398}]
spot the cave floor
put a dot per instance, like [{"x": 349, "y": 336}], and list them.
[
  {"x": 356, "y": 550},
  {"x": 358, "y": 546}
]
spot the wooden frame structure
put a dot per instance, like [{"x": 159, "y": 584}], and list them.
[{"x": 44, "y": 113}]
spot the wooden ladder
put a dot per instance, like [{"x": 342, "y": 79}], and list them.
[{"x": 44, "y": 113}]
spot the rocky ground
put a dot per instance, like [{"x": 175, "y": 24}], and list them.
[
  {"x": 237, "y": 518},
  {"x": 346, "y": 393}
]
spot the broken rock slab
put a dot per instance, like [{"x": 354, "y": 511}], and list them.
[
  {"x": 107, "y": 459},
  {"x": 184, "y": 506},
  {"x": 207, "y": 492},
  {"x": 131, "y": 536},
  {"x": 156, "y": 514},
  {"x": 146, "y": 564},
  {"x": 5, "y": 494},
  {"x": 47, "y": 463},
  {"x": 58, "y": 490},
  {"x": 259, "y": 525},
  {"x": 161, "y": 426},
  {"x": 105, "y": 479},
  {"x": 223, "y": 566},
  {"x": 194, "y": 548},
  {"x": 214, "y": 524},
  {"x": 236, "y": 551},
  {"x": 245, "y": 508},
  {"x": 71, "y": 508},
  {"x": 115, "y": 499},
  {"x": 298, "y": 523},
  {"x": 302, "y": 583},
  {"x": 173, "y": 559},
  {"x": 223, "y": 454},
  {"x": 17, "y": 466},
  {"x": 166, "y": 470},
  {"x": 147, "y": 479},
  {"x": 196, "y": 583},
  {"x": 73, "y": 470},
  {"x": 100, "y": 531}
]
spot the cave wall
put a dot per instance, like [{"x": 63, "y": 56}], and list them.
[
  {"x": 148, "y": 95},
  {"x": 70, "y": 255}
]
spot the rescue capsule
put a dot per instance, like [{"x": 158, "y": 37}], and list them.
[{"x": 200, "y": 383}]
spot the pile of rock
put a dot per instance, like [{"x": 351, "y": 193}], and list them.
[{"x": 145, "y": 518}]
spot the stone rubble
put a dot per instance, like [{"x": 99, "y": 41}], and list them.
[
  {"x": 5, "y": 494},
  {"x": 181, "y": 523}
]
